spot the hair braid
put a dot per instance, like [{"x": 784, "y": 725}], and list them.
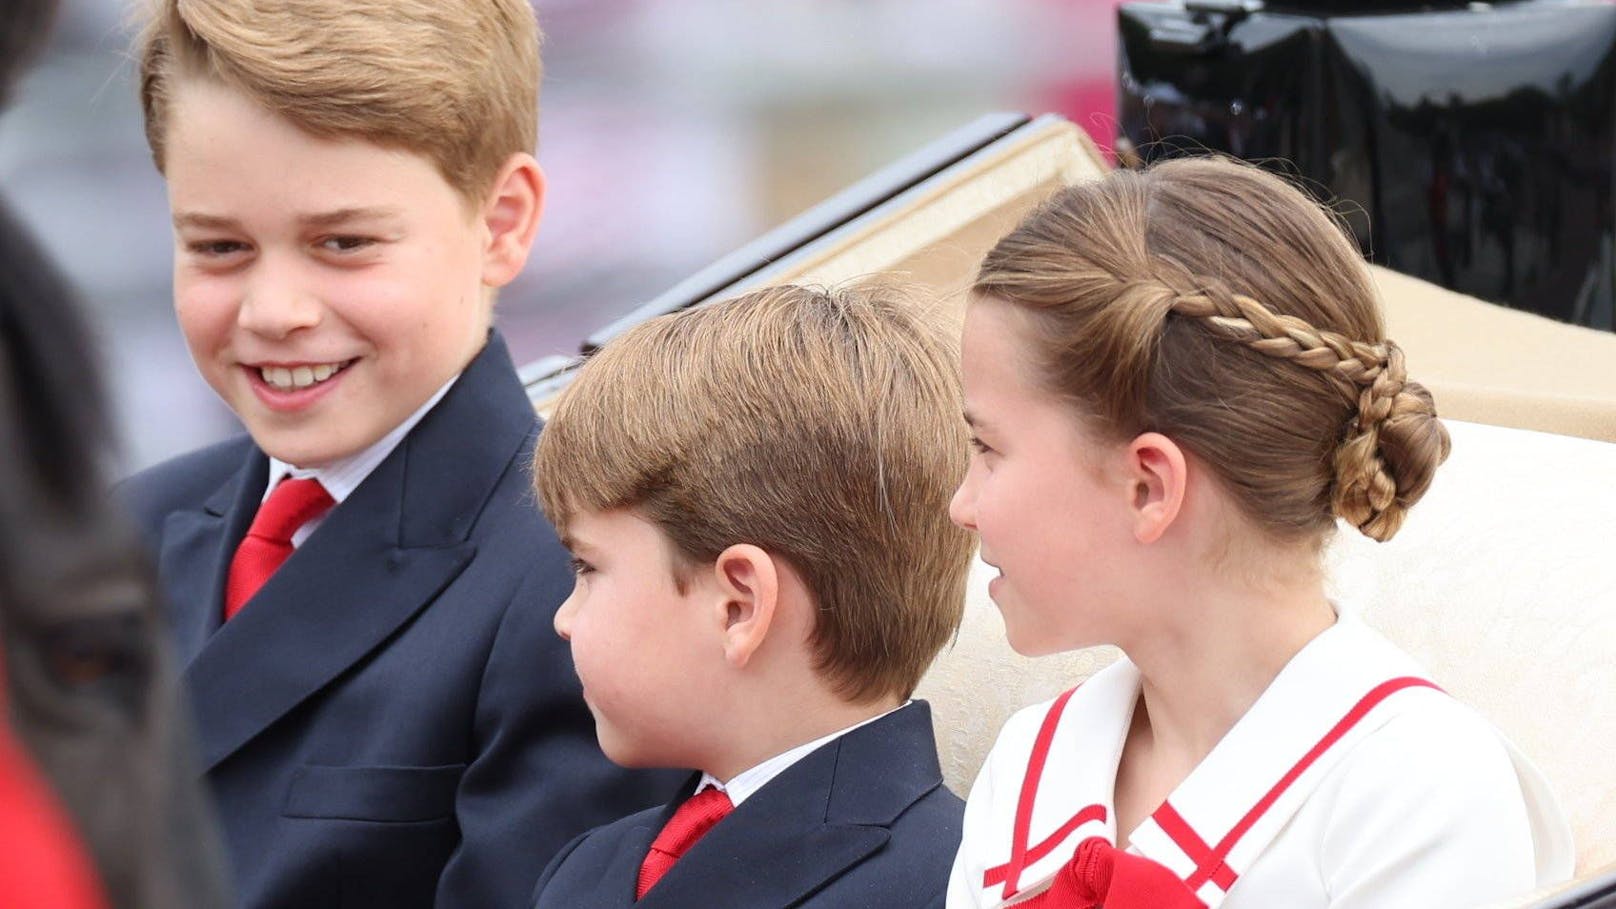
[
  {"x": 1366, "y": 491},
  {"x": 1130, "y": 284}
]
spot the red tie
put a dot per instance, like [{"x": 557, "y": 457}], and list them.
[
  {"x": 269, "y": 540},
  {"x": 1100, "y": 874},
  {"x": 693, "y": 819}
]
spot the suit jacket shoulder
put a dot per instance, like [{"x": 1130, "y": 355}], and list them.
[
  {"x": 392, "y": 720},
  {"x": 862, "y": 821},
  {"x": 151, "y": 494}
]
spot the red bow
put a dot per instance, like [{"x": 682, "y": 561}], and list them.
[{"x": 1101, "y": 875}]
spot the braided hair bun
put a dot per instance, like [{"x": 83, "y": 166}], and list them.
[
  {"x": 1218, "y": 304},
  {"x": 1391, "y": 451},
  {"x": 1392, "y": 443}
]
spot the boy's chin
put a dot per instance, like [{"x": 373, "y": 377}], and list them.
[
  {"x": 631, "y": 754},
  {"x": 307, "y": 448}
]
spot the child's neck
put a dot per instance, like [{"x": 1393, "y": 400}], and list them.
[
  {"x": 773, "y": 726},
  {"x": 1201, "y": 677}
]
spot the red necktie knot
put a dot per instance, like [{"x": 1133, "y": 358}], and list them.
[
  {"x": 689, "y": 823},
  {"x": 268, "y": 542}
]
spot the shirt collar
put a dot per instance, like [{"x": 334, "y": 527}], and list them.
[
  {"x": 746, "y": 783},
  {"x": 342, "y": 476}
]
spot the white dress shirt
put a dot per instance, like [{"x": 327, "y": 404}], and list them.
[
  {"x": 744, "y": 784},
  {"x": 342, "y": 476}
]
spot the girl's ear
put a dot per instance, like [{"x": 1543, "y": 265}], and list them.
[
  {"x": 748, "y": 586},
  {"x": 511, "y": 217},
  {"x": 1157, "y": 473}
]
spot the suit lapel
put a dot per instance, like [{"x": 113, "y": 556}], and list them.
[
  {"x": 823, "y": 815},
  {"x": 339, "y": 595},
  {"x": 618, "y": 882},
  {"x": 378, "y": 559},
  {"x": 784, "y": 863},
  {"x": 604, "y": 871},
  {"x": 196, "y": 549}
]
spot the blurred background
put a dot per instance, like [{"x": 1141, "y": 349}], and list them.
[{"x": 671, "y": 133}]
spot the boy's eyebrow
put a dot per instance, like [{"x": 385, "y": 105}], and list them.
[
  {"x": 205, "y": 221},
  {"x": 344, "y": 215},
  {"x": 318, "y": 220}
]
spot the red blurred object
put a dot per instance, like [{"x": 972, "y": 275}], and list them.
[
  {"x": 42, "y": 863},
  {"x": 1087, "y": 94}
]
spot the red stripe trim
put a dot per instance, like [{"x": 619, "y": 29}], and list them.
[
  {"x": 1179, "y": 831},
  {"x": 1087, "y": 815},
  {"x": 1209, "y": 866},
  {"x": 1029, "y": 792}
]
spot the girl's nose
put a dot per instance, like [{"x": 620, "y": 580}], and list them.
[{"x": 962, "y": 507}]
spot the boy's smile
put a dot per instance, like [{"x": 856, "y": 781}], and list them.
[
  {"x": 289, "y": 387},
  {"x": 327, "y": 287}
]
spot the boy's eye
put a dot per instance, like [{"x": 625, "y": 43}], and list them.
[
  {"x": 580, "y": 567},
  {"x": 216, "y": 248},
  {"x": 346, "y": 244}
]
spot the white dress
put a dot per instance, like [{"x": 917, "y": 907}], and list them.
[{"x": 1351, "y": 782}]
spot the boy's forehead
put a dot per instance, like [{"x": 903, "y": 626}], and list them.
[
  {"x": 572, "y": 539},
  {"x": 224, "y": 147},
  {"x": 597, "y": 528},
  {"x": 582, "y": 529}
]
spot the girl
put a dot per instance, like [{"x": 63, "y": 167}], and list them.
[{"x": 1177, "y": 379}]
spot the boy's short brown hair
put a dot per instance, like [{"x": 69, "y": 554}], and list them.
[
  {"x": 822, "y": 426},
  {"x": 455, "y": 81}
]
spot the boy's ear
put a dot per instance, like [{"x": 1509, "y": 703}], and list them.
[
  {"x": 1157, "y": 473},
  {"x": 748, "y": 592},
  {"x": 511, "y": 215}
]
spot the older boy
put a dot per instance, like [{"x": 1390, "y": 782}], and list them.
[
  {"x": 361, "y": 591},
  {"x": 755, "y": 496}
]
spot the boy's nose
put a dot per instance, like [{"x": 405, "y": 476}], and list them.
[
  {"x": 962, "y": 507},
  {"x": 563, "y": 617},
  {"x": 275, "y": 311}
]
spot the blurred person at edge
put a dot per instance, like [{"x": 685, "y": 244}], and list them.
[{"x": 99, "y": 806}]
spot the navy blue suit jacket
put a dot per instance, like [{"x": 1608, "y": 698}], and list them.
[
  {"x": 862, "y": 822},
  {"x": 391, "y": 721}
]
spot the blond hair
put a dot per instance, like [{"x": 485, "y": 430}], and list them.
[
  {"x": 455, "y": 81},
  {"x": 822, "y": 426},
  {"x": 1215, "y": 303}
]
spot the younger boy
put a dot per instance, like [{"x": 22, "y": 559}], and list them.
[
  {"x": 755, "y": 494},
  {"x": 361, "y": 592}
]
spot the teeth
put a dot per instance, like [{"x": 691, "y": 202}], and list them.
[{"x": 300, "y": 377}]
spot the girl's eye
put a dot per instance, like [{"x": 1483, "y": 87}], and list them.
[
  {"x": 580, "y": 567},
  {"x": 979, "y": 446}
]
